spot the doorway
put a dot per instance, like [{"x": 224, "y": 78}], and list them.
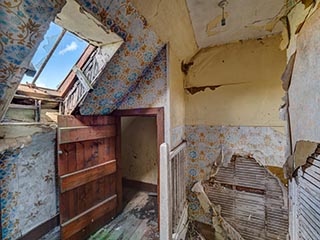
[{"x": 142, "y": 132}]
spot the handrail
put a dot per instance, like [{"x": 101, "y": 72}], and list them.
[{"x": 177, "y": 149}]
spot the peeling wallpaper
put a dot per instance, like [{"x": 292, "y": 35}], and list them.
[
  {"x": 249, "y": 74},
  {"x": 204, "y": 145},
  {"x": 22, "y": 28},
  {"x": 303, "y": 92},
  {"x": 133, "y": 58},
  {"x": 28, "y": 192}
]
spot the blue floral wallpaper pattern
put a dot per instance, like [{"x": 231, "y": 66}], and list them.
[
  {"x": 24, "y": 170},
  {"x": 132, "y": 60},
  {"x": 23, "y": 24},
  {"x": 152, "y": 87},
  {"x": 204, "y": 144}
]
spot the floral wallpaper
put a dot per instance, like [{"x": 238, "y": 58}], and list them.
[
  {"x": 204, "y": 145},
  {"x": 132, "y": 60},
  {"x": 28, "y": 193},
  {"x": 152, "y": 88},
  {"x": 23, "y": 24}
]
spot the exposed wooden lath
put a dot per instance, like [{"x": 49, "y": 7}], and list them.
[
  {"x": 252, "y": 200},
  {"x": 308, "y": 198}
]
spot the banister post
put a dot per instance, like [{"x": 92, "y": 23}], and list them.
[{"x": 165, "y": 194}]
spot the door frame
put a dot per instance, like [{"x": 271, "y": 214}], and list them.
[{"x": 146, "y": 112}]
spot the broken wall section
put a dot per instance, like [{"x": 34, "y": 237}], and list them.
[
  {"x": 303, "y": 99},
  {"x": 27, "y": 177},
  {"x": 303, "y": 91},
  {"x": 233, "y": 93},
  {"x": 206, "y": 143},
  {"x": 246, "y": 200}
]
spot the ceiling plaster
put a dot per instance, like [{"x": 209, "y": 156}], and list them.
[
  {"x": 245, "y": 19},
  {"x": 81, "y": 23}
]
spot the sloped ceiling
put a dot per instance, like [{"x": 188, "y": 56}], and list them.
[
  {"x": 75, "y": 20},
  {"x": 245, "y": 19}
]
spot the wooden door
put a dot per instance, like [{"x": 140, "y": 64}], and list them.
[{"x": 89, "y": 173}]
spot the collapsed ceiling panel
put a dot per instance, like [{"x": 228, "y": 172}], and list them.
[
  {"x": 75, "y": 19},
  {"x": 244, "y": 19}
]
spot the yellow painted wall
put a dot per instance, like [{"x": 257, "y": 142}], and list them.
[
  {"x": 171, "y": 21},
  {"x": 139, "y": 149},
  {"x": 255, "y": 67}
]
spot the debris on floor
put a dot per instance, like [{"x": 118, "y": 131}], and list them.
[{"x": 139, "y": 220}]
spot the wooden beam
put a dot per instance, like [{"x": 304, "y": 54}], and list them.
[
  {"x": 20, "y": 106},
  {"x": 77, "y": 134},
  {"x": 17, "y": 96},
  {"x": 68, "y": 82},
  {"x": 76, "y": 179},
  {"x": 24, "y": 89},
  {"x": 76, "y": 224},
  {"x": 73, "y": 121}
]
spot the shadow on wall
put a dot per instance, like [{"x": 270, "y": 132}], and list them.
[{"x": 139, "y": 149}]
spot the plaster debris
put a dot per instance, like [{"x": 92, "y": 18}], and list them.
[
  {"x": 222, "y": 228},
  {"x": 303, "y": 150}
]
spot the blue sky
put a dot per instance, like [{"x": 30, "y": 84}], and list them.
[{"x": 65, "y": 56}]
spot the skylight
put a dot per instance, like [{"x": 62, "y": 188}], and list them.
[{"x": 64, "y": 57}]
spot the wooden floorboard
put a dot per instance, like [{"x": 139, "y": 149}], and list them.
[{"x": 137, "y": 221}]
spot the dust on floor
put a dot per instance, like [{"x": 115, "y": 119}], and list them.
[{"x": 138, "y": 221}]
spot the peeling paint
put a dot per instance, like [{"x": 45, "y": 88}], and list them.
[{"x": 194, "y": 90}]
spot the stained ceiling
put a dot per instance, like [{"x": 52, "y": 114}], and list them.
[
  {"x": 75, "y": 20},
  {"x": 245, "y": 19}
]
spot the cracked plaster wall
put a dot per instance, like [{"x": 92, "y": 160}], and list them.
[
  {"x": 239, "y": 114},
  {"x": 303, "y": 98},
  {"x": 304, "y": 88},
  {"x": 254, "y": 67},
  {"x": 27, "y": 177}
]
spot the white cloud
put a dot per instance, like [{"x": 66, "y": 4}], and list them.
[
  {"x": 41, "y": 84},
  {"x": 70, "y": 47}
]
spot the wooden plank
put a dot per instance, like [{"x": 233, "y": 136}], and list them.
[
  {"x": 68, "y": 82},
  {"x": 86, "y": 196},
  {"x": 77, "y": 134},
  {"x": 86, "y": 218},
  {"x": 118, "y": 158},
  {"x": 74, "y": 121},
  {"x": 76, "y": 179},
  {"x": 20, "y": 106},
  {"x": 67, "y": 159}
]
